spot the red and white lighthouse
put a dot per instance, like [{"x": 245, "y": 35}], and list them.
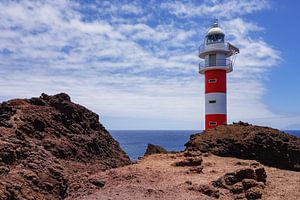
[{"x": 219, "y": 56}]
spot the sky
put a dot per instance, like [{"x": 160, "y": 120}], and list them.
[{"x": 135, "y": 63}]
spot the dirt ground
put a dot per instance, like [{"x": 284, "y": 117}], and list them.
[{"x": 154, "y": 177}]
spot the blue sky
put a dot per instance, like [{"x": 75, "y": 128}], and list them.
[{"x": 135, "y": 62}]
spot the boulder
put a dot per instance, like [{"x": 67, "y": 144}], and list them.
[
  {"x": 269, "y": 146},
  {"x": 243, "y": 183},
  {"x": 239, "y": 175},
  {"x": 50, "y": 144},
  {"x": 253, "y": 193},
  {"x": 154, "y": 149}
]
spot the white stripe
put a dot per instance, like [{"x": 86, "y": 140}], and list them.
[{"x": 219, "y": 107}]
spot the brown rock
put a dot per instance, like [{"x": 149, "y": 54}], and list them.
[
  {"x": 98, "y": 183},
  {"x": 206, "y": 154},
  {"x": 249, "y": 183},
  {"x": 190, "y": 161},
  {"x": 243, "y": 181},
  {"x": 261, "y": 174},
  {"x": 240, "y": 123},
  {"x": 239, "y": 196},
  {"x": 44, "y": 139},
  {"x": 206, "y": 189},
  {"x": 254, "y": 164},
  {"x": 4, "y": 170},
  {"x": 188, "y": 182},
  {"x": 245, "y": 173},
  {"x": 234, "y": 177},
  {"x": 242, "y": 163},
  {"x": 268, "y": 146},
  {"x": 154, "y": 149},
  {"x": 192, "y": 153},
  {"x": 253, "y": 193},
  {"x": 237, "y": 188},
  {"x": 197, "y": 169}
]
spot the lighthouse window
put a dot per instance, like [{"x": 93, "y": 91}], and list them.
[
  {"x": 212, "y": 101},
  {"x": 212, "y": 80},
  {"x": 213, "y": 123},
  {"x": 212, "y": 60},
  {"x": 215, "y": 38}
]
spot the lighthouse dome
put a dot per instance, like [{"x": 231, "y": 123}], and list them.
[
  {"x": 215, "y": 34},
  {"x": 215, "y": 31}
]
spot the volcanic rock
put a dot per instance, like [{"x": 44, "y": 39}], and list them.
[
  {"x": 245, "y": 182},
  {"x": 192, "y": 153},
  {"x": 268, "y": 146},
  {"x": 253, "y": 193},
  {"x": 241, "y": 175},
  {"x": 196, "y": 169},
  {"x": 206, "y": 189},
  {"x": 249, "y": 183},
  {"x": 49, "y": 145},
  {"x": 190, "y": 161},
  {"x": 99, "y": 183},
  {"x": 156, "y": 177},
  {"x": 242, "y": 183},
  {"x": 154, "y": 149}
]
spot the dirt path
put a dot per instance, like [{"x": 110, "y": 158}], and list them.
[{"x": 154, "y": 177}]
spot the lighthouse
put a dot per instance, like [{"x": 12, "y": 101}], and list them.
[{"x": 219, "y": 57}]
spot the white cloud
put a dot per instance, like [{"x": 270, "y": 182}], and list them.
[
  {"x": 128, "y": 67},
  {"x": 131, "y": 9},
  {"x": 223, "y": 9},
  {"x": 256, "y": 55}
]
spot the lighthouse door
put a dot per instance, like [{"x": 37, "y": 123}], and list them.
[{"x": 212, "y": 60}]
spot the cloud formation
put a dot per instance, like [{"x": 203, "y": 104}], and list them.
[
  {"x": 216, "y": 8},
  {"x": 131, "y": 60}
]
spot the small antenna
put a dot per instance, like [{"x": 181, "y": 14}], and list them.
[{"x": 215, "y": 23}]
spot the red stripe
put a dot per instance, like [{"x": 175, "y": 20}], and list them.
[
  {"x": 218, "y": 118},
  {"x": 215, "y": 81}
]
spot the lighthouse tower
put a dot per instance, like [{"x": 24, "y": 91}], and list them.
[{"x": 218, "y": 58}]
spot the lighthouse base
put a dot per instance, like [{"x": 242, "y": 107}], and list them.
[{"x": 214, "y": 120}]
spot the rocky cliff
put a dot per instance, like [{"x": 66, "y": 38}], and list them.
[
  {"x": 269, "y": 146},
  {"x": 49, "y": 146}
]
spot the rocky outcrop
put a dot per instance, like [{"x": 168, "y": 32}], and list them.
[
  {"x": 269, "y": 146},
  {"x": 49, "y": 146},
  {"x": 230, "y": 179},
  {"x": 193, "y": 160},
  {"x": 244, "y": 183},
  {"x": 154, "y": 149},
  {"x": 189, "y": 161}
]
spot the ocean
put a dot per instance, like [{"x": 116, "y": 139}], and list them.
[{"x": 134, "y": 142}]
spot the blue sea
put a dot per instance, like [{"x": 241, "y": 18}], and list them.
[{"x": 134, "y": 142}]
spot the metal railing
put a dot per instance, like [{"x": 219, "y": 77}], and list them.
[
  {"x": 216, "y": 46},
  {"x": 220, "y": 63}
]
